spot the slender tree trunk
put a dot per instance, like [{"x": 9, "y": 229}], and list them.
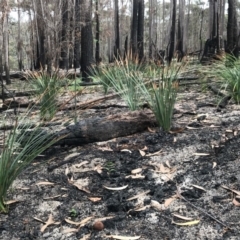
[
  {"x": 172, "y": 32},
  {"x": 117, "y": 52},
  {"x": 134, "y": 29},
  {"x": 40, "y": 34},
  {"x": 63, "y": 63},
  {"x": 77, "y": 37},
  {"x": 20, "y": 42},
  {"x": 140, "y": 31},
  {"x": 5, "y": 41},
  {"x": 186, "y": 29},
  {"x": 97, "y": 50},
  {"x": 180, "y": 31},
  {"x": 150, "y": 48},
  {"x": 163, "y": 25},
  {"x": 86, "y": 40},
  {"x": 1, "y": 61},
  {"x": 232, "y": 29}
]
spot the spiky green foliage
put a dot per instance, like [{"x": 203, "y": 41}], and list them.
[
  {"x": 21, "y": 145},
  {"x": 229, "y": 71},
  {"x": 123, "y": 77},
  {"x": 162, "y": 102},
  {"x": 144, "y": 83},
  {"x": 47, "y": 87}
]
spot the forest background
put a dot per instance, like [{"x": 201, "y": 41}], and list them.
[{"x": 68, "y": 34}]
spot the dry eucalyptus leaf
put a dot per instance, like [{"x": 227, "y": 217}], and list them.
[
  {"x": 137, "y": 176},
  {"x": 47, "y": 198},
  {"x": 126, "y": 150},
  {"x": 201, "y": 154},
  {"x": 142, "y": 153},
  {"x": 45, "y": 183},
  {"x": 199, "y": 187},
  {"x": 81, "y": 188},
  {"x": 234, "y": 191},
  {"x": 214, "y": 164},
  {"x": 49, "y": 222},
  {"x": 138, "y": 195},
  {"x": 145, "y": 148},
  {"x": 70, "y": 230},
  {"x": 190, "y": 223},
  {"x": 136, "y": 171},
  {"x": 72, "y": 155},
  {"x": 157, "y": 205},
  {"x": 139, "y": 209},
  {"x": 183, "y": 217},
  {"x": 116, "y": 188},
  {"x": 168, "y": 201},
  {"x": 103, "y": 218},
  {"x": 11, "y": 202},
  {"x": 236, "y": 203},
  {"x": 95, "y": 199},
  {"x": 23, "y": 188},
  {"x": 86, "y": 237},
  {"x": 154, "y": 154},
  {"x": 123, "y": 237},
  {"x": 98, "y": 169},
  {"x": 81, "y": 223},
  {"x": 107, "y": 149},
  {"x": 168, "y": 164},
  {"x": 67, "y": 171},
  {"x": 150, "y": 130}
]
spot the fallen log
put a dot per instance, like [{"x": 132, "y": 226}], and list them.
[{"x": 102, "y": 129}]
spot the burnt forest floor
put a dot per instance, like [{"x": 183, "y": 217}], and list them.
[{"x": 131, "y": 184}]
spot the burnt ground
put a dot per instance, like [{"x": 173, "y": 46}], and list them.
[{"x": 70, "y": 183}]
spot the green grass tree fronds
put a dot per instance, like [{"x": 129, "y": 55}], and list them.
[
  {"x": 20, "y": 146},
  {"x": 47, "y": 87},
  {"x": 229, "y": 72}
]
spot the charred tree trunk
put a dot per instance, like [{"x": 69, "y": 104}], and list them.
[
  {"x": 125, "y": 56},
  {"x": 40, "y": 60},
  {"x": 134, "y": 29},
  {"x": 140, "y": 30},
  {"x": 232, "y": 29},
  {"x": 117, "y": 52},
  {"x": 20, "y": 42},
  {"x": 150, "y": 33},
  {"x": 64, "y": 60},
  {"x": 180, "y": 31},
  {"x": 77, "y": 37},
  {"x": 172, "y": 33},
  {"x": 5, "y": 43},
  {"x": 86, "y": 40},
  {"x": 97, "y": 50}
]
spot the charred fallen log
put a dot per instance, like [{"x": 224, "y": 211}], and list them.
[{"x": 102, "y": 129}]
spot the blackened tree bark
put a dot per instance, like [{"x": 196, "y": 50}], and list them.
[
  {"x": 97, "y": 50},
  {"x": 5, "y": 33},
  {"x": 140, "y": 31},
  {"x": 232, "y": 29},
  {"x": 134, "y": 29},
  {"x": 77, "y": 37},
  {"x": 180, "y": 31},
  {"x": 63, "y": 63},
  {"x": 125, "y": 48},
  {"x": 86, "y": 40},
  {"x": 20, "y": 42},
  {"x": 172, "y": 33},
  {"x": 150, "y": 33},
  {"x": 116, "y": 31},
  {"x": 40, "y": 59}
]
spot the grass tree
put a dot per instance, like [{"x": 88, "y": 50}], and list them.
[{"x": 21, "y": 146}]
